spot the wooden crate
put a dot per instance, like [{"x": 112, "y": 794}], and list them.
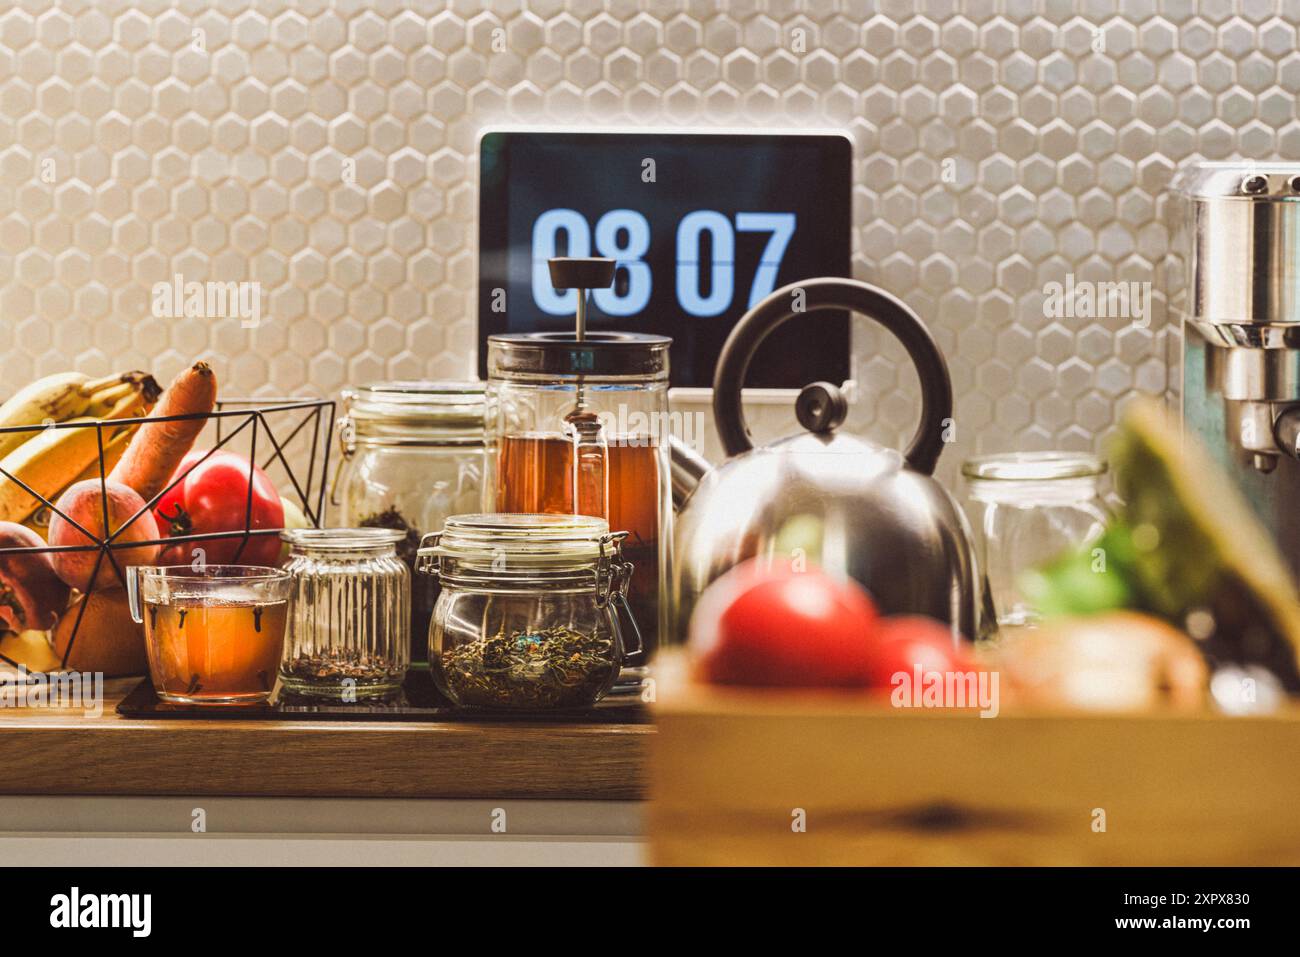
[{"x": 880, "y": 786}]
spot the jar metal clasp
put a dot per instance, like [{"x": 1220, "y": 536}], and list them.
[
  {"x": 347, "y": 431},
  {"x": 426, "y": 559},
  {"x": 613, "y": 574},
  {"x": 347, "y": 434}
]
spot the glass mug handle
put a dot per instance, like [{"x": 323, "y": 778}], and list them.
[{"x": 133, "y": 593}]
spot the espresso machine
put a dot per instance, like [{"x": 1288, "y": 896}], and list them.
[{"x": 1235, "y": 286}]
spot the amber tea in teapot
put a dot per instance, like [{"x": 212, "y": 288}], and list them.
[{"x": 535, "y": 474}]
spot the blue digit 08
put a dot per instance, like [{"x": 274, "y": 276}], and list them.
[
  {"x": 545, "y": 232},
  {"x": 630, "y": 257}
]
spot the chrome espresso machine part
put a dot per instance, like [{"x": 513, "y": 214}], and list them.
[{"x": 1237, "y": 295}]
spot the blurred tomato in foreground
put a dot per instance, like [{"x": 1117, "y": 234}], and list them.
[
  {"x": 768, "y": 625},
  {"x": 903, "y": 643}
]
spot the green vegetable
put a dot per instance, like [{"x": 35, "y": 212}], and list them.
[
  {"x": 1186, "y": 548},
  {"x": 1099, "y": 577}
]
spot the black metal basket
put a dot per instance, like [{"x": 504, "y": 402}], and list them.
[{"x": 295, "y": 429}]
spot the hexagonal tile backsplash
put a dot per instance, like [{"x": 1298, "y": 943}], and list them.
[{"x": 327, "y": 151}]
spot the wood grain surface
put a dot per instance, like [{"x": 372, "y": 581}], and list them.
[
  {"x": 46, "y": 751},
  {"x": 878, "y": 786}
]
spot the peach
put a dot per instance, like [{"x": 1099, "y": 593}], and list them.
[{"x": 128, "y": 519}]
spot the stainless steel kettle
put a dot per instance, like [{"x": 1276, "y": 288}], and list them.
[{"x": 845, "y": 504}]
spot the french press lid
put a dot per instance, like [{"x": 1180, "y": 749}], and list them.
[
  {"x": 560, "y": 354},
  {"x": 579, "y": 353}
]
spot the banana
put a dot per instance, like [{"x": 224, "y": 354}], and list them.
[
  {"x": 101, "y": 403},
  {"x": 30, "y": 649},
  {"x": 113, "y": 449},
  {"x": 39, "y": 520},
  {"x": 54, "y": 398},
  {"x": 65, "y": 396},
  {"x": 53, "y": 458}
]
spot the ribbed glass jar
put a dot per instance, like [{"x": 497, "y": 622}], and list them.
[{"x": 349, "y": 636}]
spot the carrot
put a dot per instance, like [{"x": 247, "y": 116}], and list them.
[{"x": 157, "y": 449}]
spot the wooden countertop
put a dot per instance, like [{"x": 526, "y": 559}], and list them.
[{"x": 49, "y": 751}]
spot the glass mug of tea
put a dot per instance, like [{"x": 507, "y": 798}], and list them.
[{"x": 214, "y": 635}]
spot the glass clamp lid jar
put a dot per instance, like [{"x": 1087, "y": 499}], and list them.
[
  {"x": 349, "y": 634},
  {"x": 412, "y": 454},
  {"x": 1026, "y": 509},
  {"x": 532, "y": 614}
]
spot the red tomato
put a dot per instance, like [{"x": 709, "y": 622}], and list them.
[
  {"x": 905, "y": 641},
  {"x": 784, "y": 628},
  {"x": 214, "y": 497},
  {"x": 175, "y": 496}
]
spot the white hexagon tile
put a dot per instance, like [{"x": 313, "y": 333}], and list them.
[{"x": 143, "y": 139}]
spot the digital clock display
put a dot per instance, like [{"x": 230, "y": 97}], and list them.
[{"x": 702, "y": 226}]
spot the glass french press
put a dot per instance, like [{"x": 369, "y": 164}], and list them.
[{"x": 578, "y": 424}]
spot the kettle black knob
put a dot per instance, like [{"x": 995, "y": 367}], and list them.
[
  {"x": 581, "y": 273},
  {"x": 821, "y": 407}
]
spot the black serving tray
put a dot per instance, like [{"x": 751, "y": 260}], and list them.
[{"x": 418, "y": 700}]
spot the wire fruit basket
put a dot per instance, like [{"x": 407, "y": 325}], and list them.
[{"x": 289, "y": 439}]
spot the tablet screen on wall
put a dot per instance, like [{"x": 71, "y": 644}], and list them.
[{"x": 702, "y": 225}]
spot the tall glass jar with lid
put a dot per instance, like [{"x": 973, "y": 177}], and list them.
[
  {"x": 348, "y": 635},
  {"x": 412, "y": 454}
]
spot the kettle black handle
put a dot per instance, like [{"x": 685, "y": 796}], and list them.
[{"x": 830, "y": 294}]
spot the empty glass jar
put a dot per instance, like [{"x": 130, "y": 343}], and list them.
[
  {"x": 532, "y": 614},
  {"x": 349, "y": 634},
  {"x": 1027, "y": 508}
]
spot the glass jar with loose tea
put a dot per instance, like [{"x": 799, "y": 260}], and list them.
[
  {"x": 349, "y": 635},
  {"x": 532, "y": 614},
  {"x": 413, "y": 453}
]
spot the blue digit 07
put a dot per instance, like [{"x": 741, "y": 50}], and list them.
[{"x": 722, "y": 271}]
